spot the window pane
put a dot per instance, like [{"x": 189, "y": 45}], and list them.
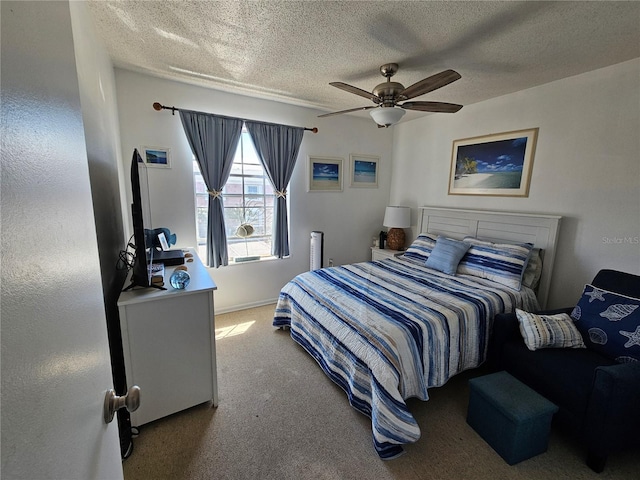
[
  {"x": 233, "y": 186},
  {"x": 232, "y": 201},
  {"x": 236, "y": 169},
  {"x": 202, "y": 201},
  {"x": 249, "y": 154},
  {"x": 201, "y": 219},
  {"x": 254, "y": 201},
  {"x": 233, "y": 217},
  {"x": 253, "y": 186},
  {"x": 200, "y": 186},
  {"x": 255, "y": 170}
]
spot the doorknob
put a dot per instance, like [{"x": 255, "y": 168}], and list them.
[{"x": 113, "y": 403}]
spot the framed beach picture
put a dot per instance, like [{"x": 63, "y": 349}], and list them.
[
  {"x": 498, "y": 164},
  {"x": 157, "y": 157},
  {"x": 364, "y": 170},
  {"x": 325, "y": 174}
]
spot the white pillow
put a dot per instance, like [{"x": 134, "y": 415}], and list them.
[{"x": 548, "y": 331}]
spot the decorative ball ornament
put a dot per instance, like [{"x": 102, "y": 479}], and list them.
[
  {"x": 244, "y": 230},
  {"x": 180, "y": 279}
]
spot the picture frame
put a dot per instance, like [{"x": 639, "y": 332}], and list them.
[
  {"x": 496, "y": 165},
  {"x": 324, "y": 174},
  {"x": 364, "y": 170},
  {"x": 159, "y": 157}
]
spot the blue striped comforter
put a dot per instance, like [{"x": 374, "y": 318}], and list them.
[{"x": 387, "y": 331}]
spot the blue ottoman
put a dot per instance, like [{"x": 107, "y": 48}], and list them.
[{"x": 511, "y": 417}]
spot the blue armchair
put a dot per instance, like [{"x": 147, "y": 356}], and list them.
[{"x": 598, "y": 398}]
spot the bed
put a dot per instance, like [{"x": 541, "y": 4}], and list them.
[{"x": 389, "y": 330}]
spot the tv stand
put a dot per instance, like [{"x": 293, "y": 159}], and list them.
[{"x": 168, "y": 339}]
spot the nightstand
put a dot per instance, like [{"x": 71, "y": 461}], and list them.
[{"x": 378, "y": 254}]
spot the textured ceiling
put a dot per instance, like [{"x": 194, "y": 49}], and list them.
[{"x": 290, "y": 50}]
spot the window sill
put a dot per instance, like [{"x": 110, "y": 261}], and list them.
[
  {"x": 203, "y": 255},
  {"x": 251, "y": 260}
]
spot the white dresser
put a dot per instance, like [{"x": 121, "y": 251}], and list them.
[{"x": 168, "y": 339}]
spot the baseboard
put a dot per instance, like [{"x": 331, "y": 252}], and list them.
[{"x": 245, "y": 306}]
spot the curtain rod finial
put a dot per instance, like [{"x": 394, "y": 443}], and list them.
[
  {"x": 157, "y": 106},
  {"x": 314, "y": 129}
]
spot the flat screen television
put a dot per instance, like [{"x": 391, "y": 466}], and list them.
[{"x": 141, "y": 216}]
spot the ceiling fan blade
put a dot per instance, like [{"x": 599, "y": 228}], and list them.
[
  {"x": 440, "y": 107},
  {"x": 358, "y": 91},
  {"x": 430, "y": 84},
  {"x": 346, "y": 111}
]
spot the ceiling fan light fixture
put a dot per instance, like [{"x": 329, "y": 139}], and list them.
[{"x": 386, "y": 116}]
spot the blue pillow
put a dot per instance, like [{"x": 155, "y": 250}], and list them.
[
  {"x": 446, "y": 255},
  {"x": 609, "y": 323}
]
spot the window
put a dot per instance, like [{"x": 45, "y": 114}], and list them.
[{"x": 248, "y": 197}]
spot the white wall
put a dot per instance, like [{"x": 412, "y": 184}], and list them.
[
  {"x": 349, "y": 219},
  {"x": 586, "y": 167},
  {"x": 102, "y": 135}
]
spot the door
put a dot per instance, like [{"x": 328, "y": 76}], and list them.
[{"x": 55, "y": 356}]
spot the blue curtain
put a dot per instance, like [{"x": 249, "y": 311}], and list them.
[
  {"x": 213, "y": 140},
  {"x": 277, "y": 147}
]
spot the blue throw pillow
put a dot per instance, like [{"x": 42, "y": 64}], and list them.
[
  {"x": 446, "y": 255},
  {"x": 609, "y": 323}
]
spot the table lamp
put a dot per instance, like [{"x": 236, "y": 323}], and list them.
[{"x": 396, "y": 218}]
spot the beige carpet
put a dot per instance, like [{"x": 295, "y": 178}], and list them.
[{"x": 280, "y": 417}]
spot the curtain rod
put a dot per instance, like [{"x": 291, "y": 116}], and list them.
[{"x": 158, "y": 106}]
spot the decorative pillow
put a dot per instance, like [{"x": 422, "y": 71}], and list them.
[
  {"x": 502, "y": 263},
  {"x": 421, "y": 247},
  {"x": 533, "y": 270},
  {"x": 548, "y": 331},
  {"x": 609, "y": 323},
  {"x": 446, "y": 255}
]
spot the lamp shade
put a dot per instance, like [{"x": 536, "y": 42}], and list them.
[
  {"x": 386, "y": 116},
  {"x": 397, "y": 217}
]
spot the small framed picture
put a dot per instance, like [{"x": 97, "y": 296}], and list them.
[
  {"x": 325, "y": 174},
  {"x": 364, "y": 170},
  {"x": 157, "y": 157}
]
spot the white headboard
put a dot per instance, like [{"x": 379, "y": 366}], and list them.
[{"x": 506, "y": 227}]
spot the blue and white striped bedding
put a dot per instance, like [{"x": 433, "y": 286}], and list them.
[{"x": 387, "y": 331}]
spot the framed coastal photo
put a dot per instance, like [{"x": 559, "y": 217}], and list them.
[
  {"x": 498, "y": 164},
  {"x": 364, "y": 170},
  {"x": 325, "y": 174},
  {"x": 157, "y": 157}
]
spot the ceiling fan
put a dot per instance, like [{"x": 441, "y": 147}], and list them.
[{"x": 387, "y": 111}]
